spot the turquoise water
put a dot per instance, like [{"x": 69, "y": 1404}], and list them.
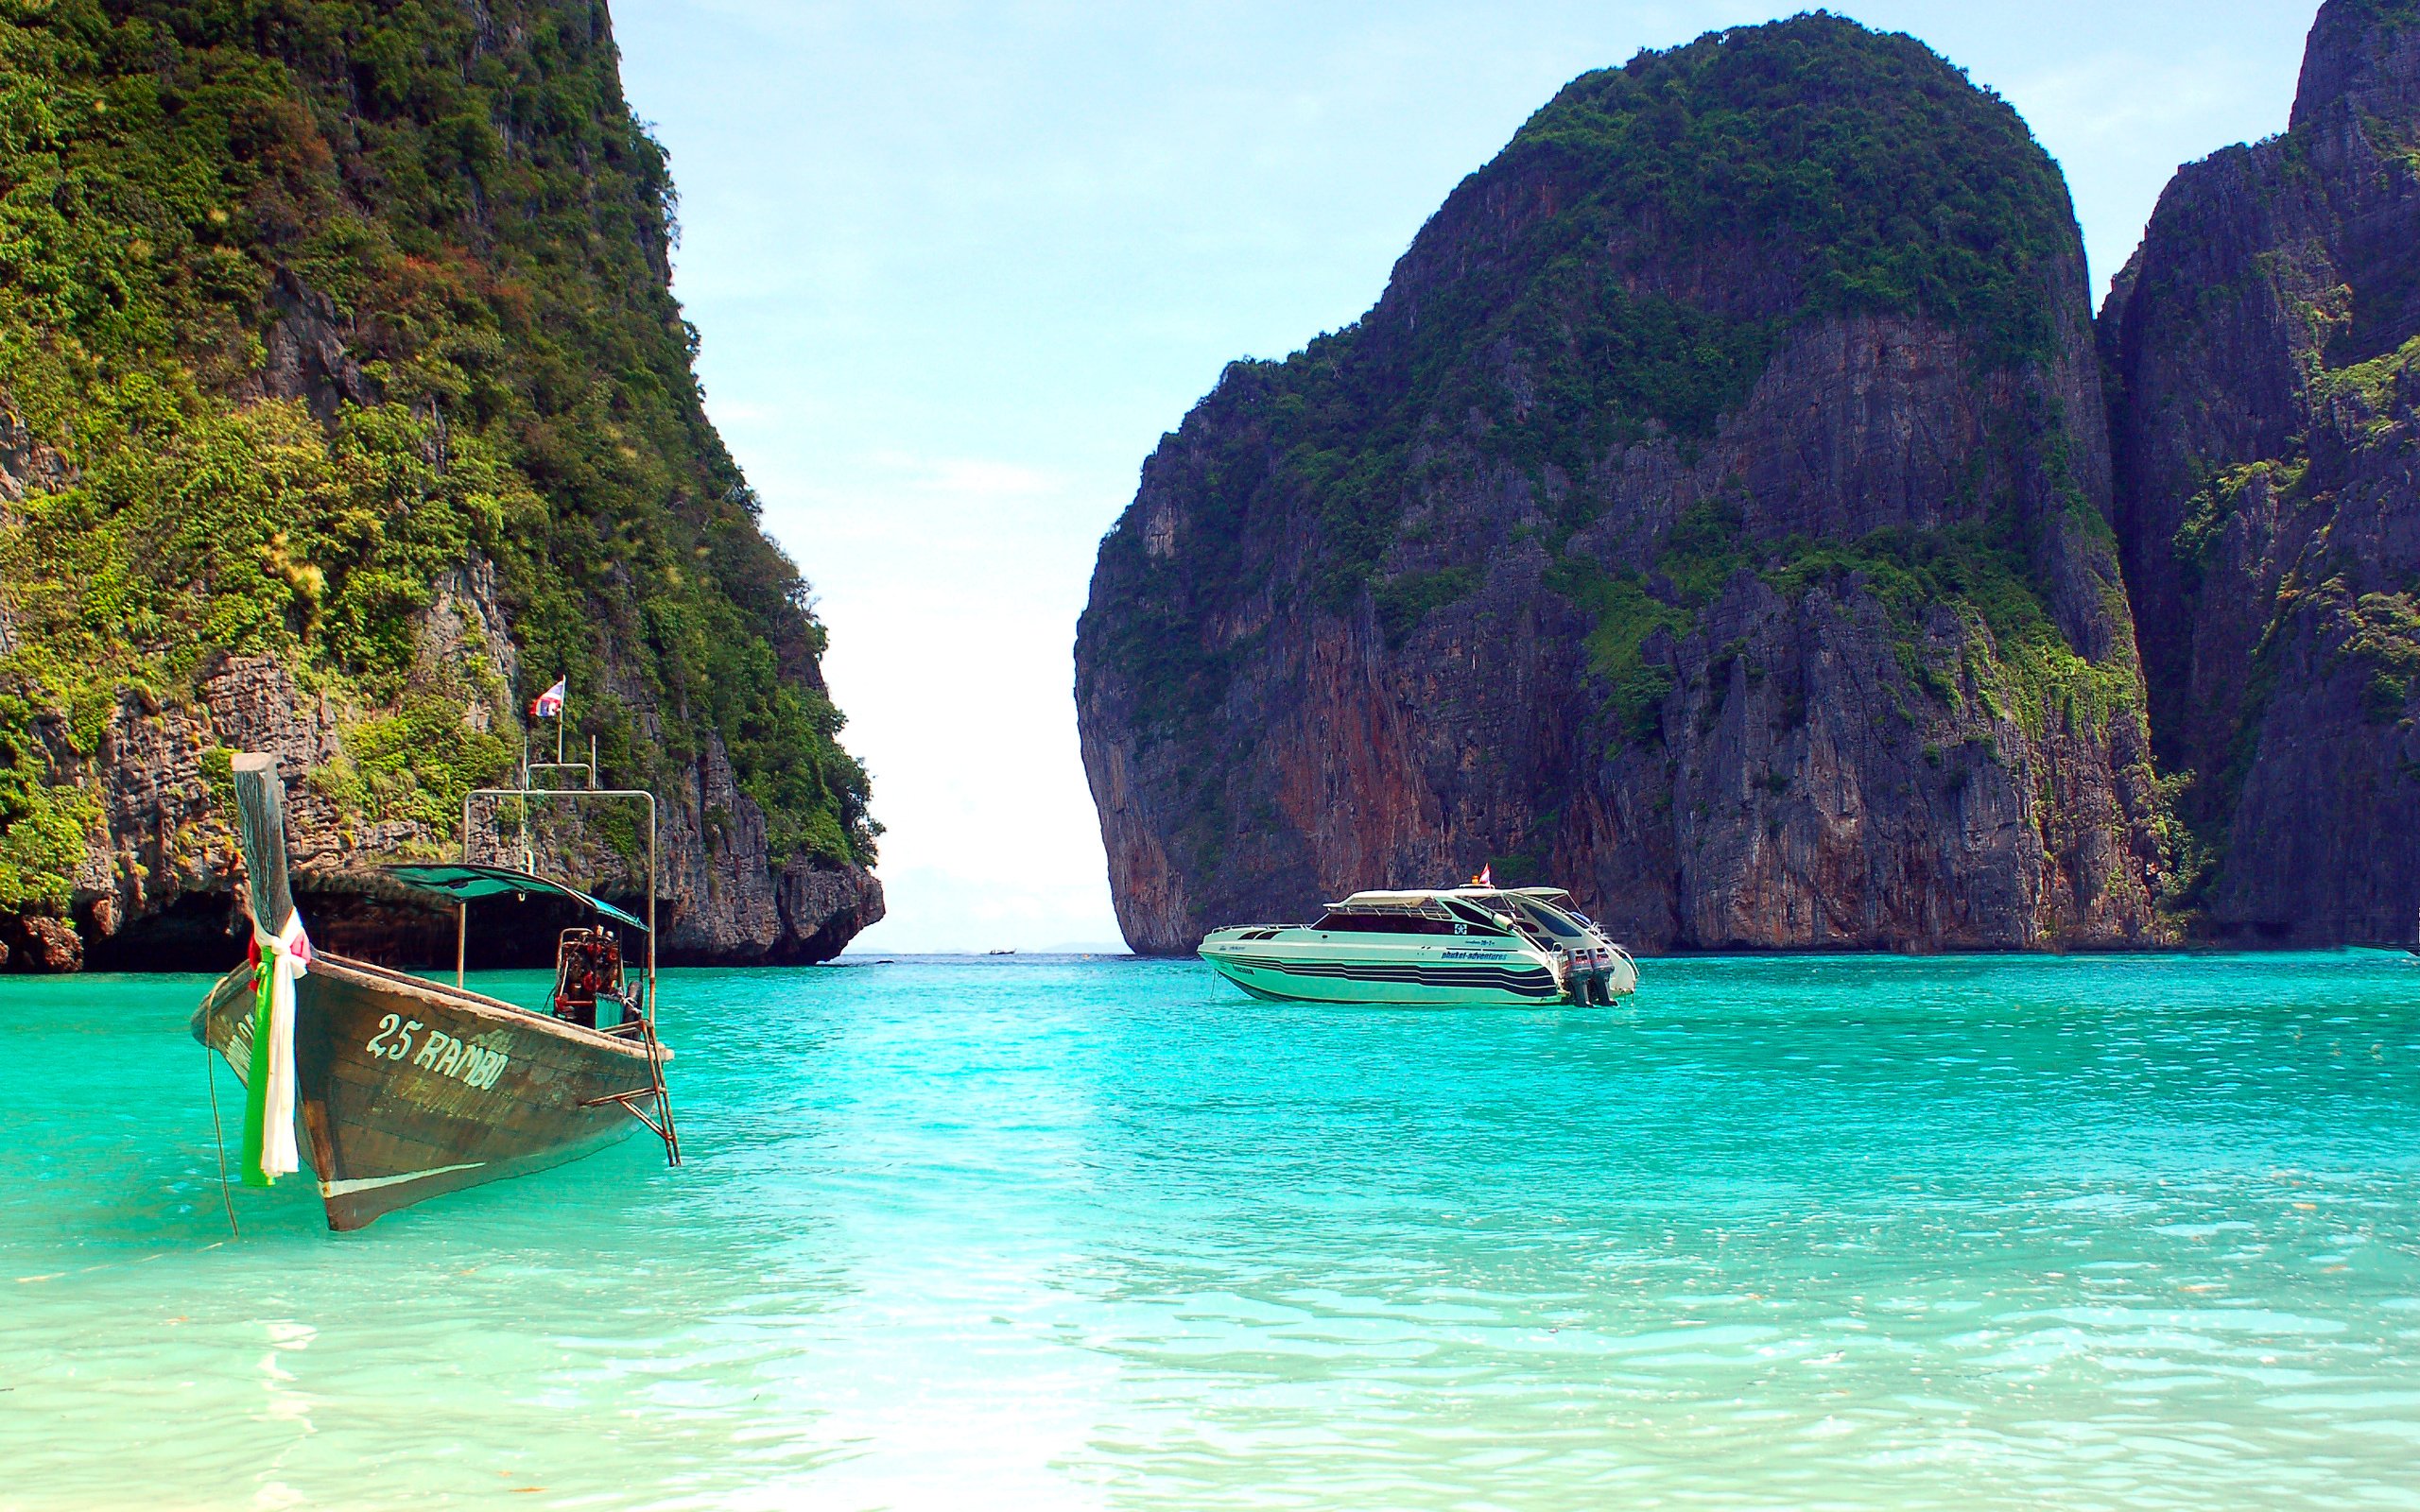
[{"x": 1775, "y": 1234}]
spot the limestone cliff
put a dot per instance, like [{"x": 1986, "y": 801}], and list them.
[
  {"x": 1709, "y": 517},
  {"x": 344, "y": 405},
  {"x": 2262, "y": 345}
]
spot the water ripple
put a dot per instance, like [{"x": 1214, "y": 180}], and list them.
[{"x": 2134, "y": 1232}]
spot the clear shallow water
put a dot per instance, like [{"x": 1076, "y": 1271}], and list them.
[{"x": 1778, "y": 1233}]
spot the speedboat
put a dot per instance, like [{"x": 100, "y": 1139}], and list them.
[{"x": 1474, "y": 945}]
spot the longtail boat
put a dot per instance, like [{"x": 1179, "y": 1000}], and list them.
[{"x": 408, "y": 1088}]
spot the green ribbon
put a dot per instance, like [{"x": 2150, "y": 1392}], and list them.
[{"x": 256, "y": 1085}]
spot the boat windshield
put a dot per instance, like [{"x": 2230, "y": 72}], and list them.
[
  {"x": 1553, "y": 921},
  {"x": 1482, "y": 921}
]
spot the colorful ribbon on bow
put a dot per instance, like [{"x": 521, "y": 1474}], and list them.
[{"x": 268, "y": 1092}]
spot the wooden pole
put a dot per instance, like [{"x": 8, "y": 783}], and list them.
[{"x": 260, "y": 832}]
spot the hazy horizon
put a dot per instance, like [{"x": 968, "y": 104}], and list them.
[{"x": 956, "y": 270}]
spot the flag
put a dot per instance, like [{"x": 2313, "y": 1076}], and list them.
[
  {"x": 550, "y": 704},
  {"x": 269, "y": 1091},
  {"x": 1486, "y": 877}
]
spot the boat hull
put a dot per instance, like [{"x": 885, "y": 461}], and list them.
[
  {"x": 1311, "y": 966},
  {"x": 409, "y": 1089}
]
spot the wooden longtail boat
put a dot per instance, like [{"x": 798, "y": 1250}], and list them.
[{"x": 408, "y": 1088}]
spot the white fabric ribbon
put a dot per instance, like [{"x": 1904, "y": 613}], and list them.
[{"x": 287, "y": 955}]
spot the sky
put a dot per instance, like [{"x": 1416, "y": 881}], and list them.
[{"x": 958, "y": 267}]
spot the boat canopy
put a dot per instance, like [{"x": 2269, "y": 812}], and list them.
[
  {"x": 460, "y": 881},
  {"x": 1385, "y": 903},
  {"x": 1419, "y": 899}
]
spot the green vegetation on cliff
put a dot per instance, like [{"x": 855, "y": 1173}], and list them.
[
  {"x": 304, "y": 304},
  {"x": 1624, "y": 271},
  {"x": 2009, "y": 655}
]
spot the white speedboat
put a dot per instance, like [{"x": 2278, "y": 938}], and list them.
[{"x": 1464, "y": 945}]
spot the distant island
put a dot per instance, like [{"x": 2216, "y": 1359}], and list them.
[
  {"x": 344, "y": 405},
  {"x": 1733, "y": 512}
]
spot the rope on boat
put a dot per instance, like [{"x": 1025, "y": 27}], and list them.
[{"x": 219, "y": 1136}]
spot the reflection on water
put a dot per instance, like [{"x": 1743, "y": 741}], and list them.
[{"x": 1775, "y": 1234}]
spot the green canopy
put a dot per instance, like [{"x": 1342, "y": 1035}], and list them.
[{"x": 460, "y": 882}]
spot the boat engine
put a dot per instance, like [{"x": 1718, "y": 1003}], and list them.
[{"x": 588, "y": 970}]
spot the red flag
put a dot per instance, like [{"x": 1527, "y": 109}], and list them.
[{"x": 1486, "y": 877}]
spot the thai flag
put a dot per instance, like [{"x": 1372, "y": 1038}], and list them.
[
  {"x": 1486, "y": 877},
  {"x": 550, "y": 704}
]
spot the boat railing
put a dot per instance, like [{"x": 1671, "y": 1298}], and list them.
[{"x": 528, "y": 793}]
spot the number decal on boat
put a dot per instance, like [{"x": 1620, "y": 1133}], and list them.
[
  {"x": 471, "y": 1065},
  {"x": 401, "y": 1028}
]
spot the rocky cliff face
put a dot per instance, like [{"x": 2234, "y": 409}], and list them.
[
  {"x": 1710, "y": 517},
  {"x": 155, "y": 886},
  {"x": 2261, "y": 347},
  {"x": 343, "y": 406}
]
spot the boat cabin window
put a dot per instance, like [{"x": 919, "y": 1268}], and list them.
[{"x": 1384, "y": 923}]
